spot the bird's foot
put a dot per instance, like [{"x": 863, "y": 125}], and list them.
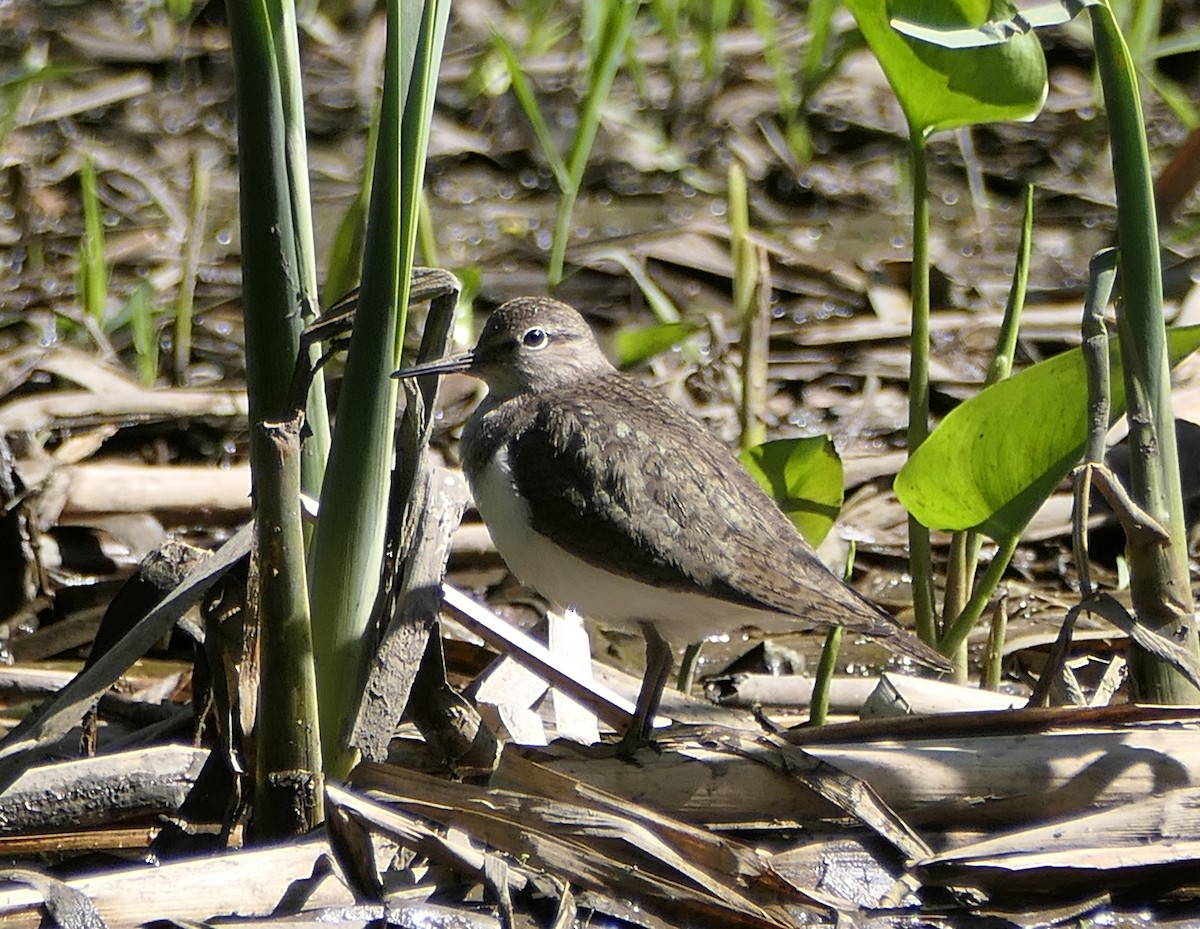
[
  {"x": 606, "y": 751},
  {"x": 633, "y": 742}
]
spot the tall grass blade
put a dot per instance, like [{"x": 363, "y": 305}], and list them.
[
  {"x": 965, "y": 544},
  {"x": 1161, "y": 585},
  {"x": 140, "y": 310},
  {"x": 346, "y": 253},
  {"x": 192, "y": 248},
  {"x": 315, "y": 450},
  {"x": 93, "y": 271},
  {"x": 527, "y": 98},
  {"x": 348, "y": 549},
  {"x": 611, "y": 40},
  {"x": 606, "y": 32}
]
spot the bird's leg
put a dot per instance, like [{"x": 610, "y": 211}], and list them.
[{"x": 659, "y": 659}]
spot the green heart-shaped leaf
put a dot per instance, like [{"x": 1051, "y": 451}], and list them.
[
  {"x": 805, "y": 478},
  {"x": 992, "y": 461},
  {"x": 636, "y": 345},
  {"x": 943, "y": 88}
]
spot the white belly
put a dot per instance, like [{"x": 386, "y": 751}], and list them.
[{"x": 568, "y": 581}]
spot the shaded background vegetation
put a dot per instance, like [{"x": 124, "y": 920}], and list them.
[{"x": 138, "y": 93}]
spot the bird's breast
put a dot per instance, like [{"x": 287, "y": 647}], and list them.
[
  {"x": 532, "y": 557},
  {"x": 502, "y": 507}
]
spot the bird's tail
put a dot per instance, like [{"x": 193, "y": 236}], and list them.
[
  {"x": 910, "y": 645},
  {"x": 858, "y": 614}
]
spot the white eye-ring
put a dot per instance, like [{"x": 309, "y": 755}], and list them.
[{"x": 535, "y": 338}]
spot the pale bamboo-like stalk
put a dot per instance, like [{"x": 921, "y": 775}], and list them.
[
  {"x": 1160, "y": 582},
  {"x": 288, "y": 768}
]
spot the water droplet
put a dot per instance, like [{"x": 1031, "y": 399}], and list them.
[{"x": 568, "y": 117}]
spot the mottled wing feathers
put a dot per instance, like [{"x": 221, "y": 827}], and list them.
[
  {"x": 648, "y": 477},
  {"x": 633, "y": 496}
]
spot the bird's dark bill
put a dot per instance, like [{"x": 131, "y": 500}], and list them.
[{"x": 446, "y": 365}]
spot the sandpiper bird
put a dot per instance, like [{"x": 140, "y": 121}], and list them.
[{"x": 604, "y": 496}]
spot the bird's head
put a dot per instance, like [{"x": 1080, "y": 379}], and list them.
[{"x": 528, "y": 345}]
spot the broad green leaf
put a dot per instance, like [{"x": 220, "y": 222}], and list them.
[
  {"x": 636, "y": 345},
  {"x": 994, "y": 460},
  {"x": 805, "y": 478},
  {"x": 943, "y": 88}
]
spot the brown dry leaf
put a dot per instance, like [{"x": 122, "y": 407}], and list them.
[
  {"x": 603, "y": 844},
  {"x": 1154, "y": 841},
  {"x": 99, "y": 790},
  {"x": 74, "y": 409},
  {"x": 696, "y": 782},
  {"x": 850, "y": 695},
  {"x": 988, "y": 770},
  {"x": 243, "y": 883}
]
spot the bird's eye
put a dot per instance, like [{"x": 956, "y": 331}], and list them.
[{"x": 535, "y": 338}]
